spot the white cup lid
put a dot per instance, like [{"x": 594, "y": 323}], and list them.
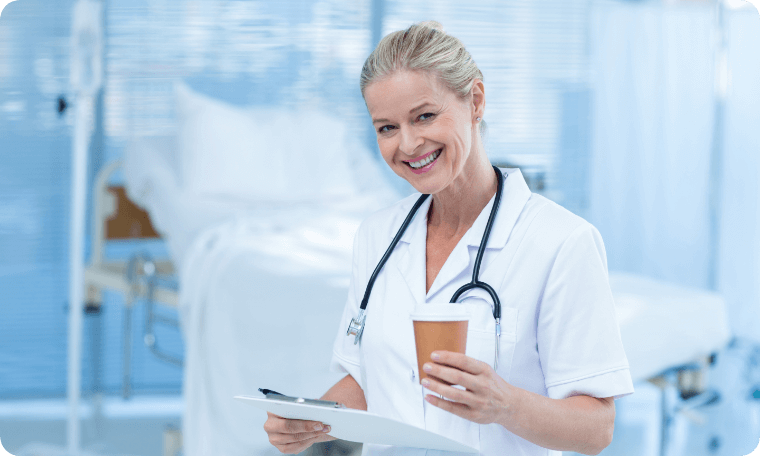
[{"x": 439, "y": 312}]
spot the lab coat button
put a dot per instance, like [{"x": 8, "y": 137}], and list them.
[{"x": 413, "y": 375}]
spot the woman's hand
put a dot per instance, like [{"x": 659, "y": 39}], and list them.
[
  {"x": 581, "y": 423},
  {"x": 294, "y": 436},
  {"x": 487, "y": 399}
]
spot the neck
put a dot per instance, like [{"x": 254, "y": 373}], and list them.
[{"x": 455, "y": 208}]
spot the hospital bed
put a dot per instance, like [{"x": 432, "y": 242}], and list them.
[
  {"x": 672, "y": 335},
  {"x": 263, "y": 257},
  {"x": 138, "y": 278},
  {"x": 264, "y": 273}
]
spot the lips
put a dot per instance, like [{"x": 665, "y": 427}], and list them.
[
  {"x": 424, "y": 160},
  {"x": 424, "y": 163}
]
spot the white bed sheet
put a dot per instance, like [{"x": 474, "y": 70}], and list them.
[
  {"x": 664, "y": 325},
  {"x": 152, "y": 175},
  {"x": 262, "y": 288},
  {"x": 251, "y": 321}
]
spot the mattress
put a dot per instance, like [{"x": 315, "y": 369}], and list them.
[{"x": 663, "y": 325}]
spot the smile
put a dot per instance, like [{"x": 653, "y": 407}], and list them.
[{"x": 428, "y": 159}]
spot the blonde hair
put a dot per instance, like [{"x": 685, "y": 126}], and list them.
[{"x": 423, "y": 47}]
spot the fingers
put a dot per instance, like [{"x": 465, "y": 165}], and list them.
[
  {"x": 454, "y": 400},
  {"x": 301, "y": 426},
  {"x": 294, "y": 436},
  {"x": 452, "y": 376},
  {"x": 277, "y": 424},
  {"x": 294, "y": 448},
  {"x": 288, "y": 439},
  {"x": 452, "y": 407},
  {"x": 449, "y": 392},
  {"x": 460, "y": 361}
]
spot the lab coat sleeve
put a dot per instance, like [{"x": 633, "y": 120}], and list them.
[
  {"x": 578, "y": 335},
  {"x": 345, "y": 357}
]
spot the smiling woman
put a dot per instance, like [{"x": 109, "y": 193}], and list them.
[
  {"x": 559, "y": 357},
  {"x": 437, "y": 91},
  {"x": 421, "y": 126}
]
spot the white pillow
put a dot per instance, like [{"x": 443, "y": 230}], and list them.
[{"x": 260, "y": 154}]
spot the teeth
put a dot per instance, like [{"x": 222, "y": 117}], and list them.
[{"x": 425, "y": 161}]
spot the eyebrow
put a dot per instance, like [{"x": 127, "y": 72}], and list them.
[{"x": 410, "y": 112}]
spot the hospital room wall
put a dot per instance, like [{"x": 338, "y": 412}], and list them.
[
  {"x": 739, "y": 242},
  {"x": 35, "y": 161},
  {"x": 653, "y": 115},
  {"x": 632, "y": 233},
  {"x": 34, "y": 187},
  {"x": 660, "y": 153}
]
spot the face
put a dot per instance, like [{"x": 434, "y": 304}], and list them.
[{"x": 424, "y": 130}]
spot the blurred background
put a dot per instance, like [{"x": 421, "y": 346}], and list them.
[{"x": 180, "y": 182}]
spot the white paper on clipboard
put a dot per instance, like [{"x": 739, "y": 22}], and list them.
[{"x": 359, "y": 426}]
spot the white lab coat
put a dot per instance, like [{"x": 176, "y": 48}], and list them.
[{"x": 559, "y": 334}]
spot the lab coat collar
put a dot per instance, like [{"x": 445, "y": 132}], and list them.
[
  {"x": 412, "y": 267},
  {"x": 514, "y": 197},
  {"x": 516, "y": 193}
]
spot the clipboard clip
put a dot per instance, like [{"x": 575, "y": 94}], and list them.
[{"x": 274, "y": 395}]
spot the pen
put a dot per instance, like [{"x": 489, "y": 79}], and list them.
[
  {"x": 298, "y": 400},
  {"x": 265, "y": 391}
]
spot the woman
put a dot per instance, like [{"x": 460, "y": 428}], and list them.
[{"x": 561, "y": 361}]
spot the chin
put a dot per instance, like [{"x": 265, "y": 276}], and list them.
[
  {"x": 427, "y": 183},
  {"x": 429, "y": 187}
]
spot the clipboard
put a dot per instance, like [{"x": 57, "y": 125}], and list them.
[{"x": 357, "y": 425}]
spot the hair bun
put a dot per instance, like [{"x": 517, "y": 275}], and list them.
[{"x": 435, "y": 25}]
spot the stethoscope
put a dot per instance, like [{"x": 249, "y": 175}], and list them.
[{"x": 356, "y": 327}]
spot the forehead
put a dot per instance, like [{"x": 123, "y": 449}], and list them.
[{"x": 403, "y": 90}]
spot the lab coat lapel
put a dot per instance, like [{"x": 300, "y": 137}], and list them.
[
  {"x": 457, "y": 263},
  {"x": 515, "y": 197},
  {"x": 410, "y": 261}
]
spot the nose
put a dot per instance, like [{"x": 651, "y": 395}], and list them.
[{"x": 409, "y": 141}]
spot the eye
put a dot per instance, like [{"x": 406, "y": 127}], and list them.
[
  {"x": 426, "y": 116},
  {"x": 385, "y": 128}
]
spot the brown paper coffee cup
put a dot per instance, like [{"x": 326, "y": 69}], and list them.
[{"x": 439, "y": 327}]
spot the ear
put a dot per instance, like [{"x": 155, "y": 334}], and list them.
[{"x": 478, "y": 97}]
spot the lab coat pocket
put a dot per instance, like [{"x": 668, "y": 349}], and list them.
[
  {"x": 507, "y": 341},
  {"x": 481, "y": 330},
  {"x": 481, "y": 335}
]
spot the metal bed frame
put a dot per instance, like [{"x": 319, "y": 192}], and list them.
[{"x": 140, "y": 279}]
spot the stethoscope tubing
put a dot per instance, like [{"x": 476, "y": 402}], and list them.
[
  {"x": 356, "y": 326},
  {"x": 390, "y": 249},
  {"x": 475, "y": 283}
]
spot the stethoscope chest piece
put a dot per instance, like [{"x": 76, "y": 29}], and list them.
[{"x": 356, "y": 327}]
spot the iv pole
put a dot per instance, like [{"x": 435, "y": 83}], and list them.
[{"x": 86, "y": 80}]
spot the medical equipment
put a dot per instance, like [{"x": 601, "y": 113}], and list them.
[
  {"x": 356, "y": 327},
  {"x": 86, "y": 79},
  {"x": 706, "y": 407},
  {"x": 143, "y": 273},
  {"x": 671, "y": 334}
]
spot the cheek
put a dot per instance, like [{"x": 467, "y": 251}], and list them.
[
  {"x": 386, "y": 147},
  {"x": 455, "y": 136}
]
